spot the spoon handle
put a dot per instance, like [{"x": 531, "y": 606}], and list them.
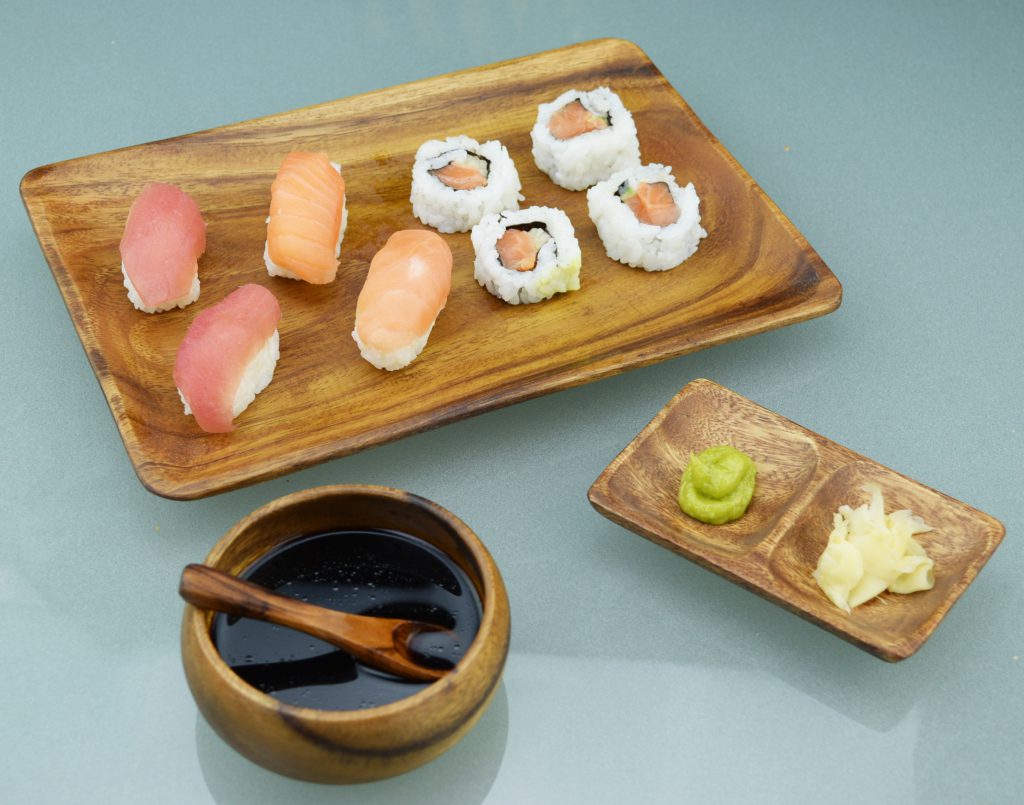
[
  {"x": 208, "y": 588},
  {"x": 211, "y": 589}
]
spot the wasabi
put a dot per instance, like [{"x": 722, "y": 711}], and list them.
[{"x": 717, "y": 485}]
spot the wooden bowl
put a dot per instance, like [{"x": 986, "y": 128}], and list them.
[{"x": 349, "y": 746}]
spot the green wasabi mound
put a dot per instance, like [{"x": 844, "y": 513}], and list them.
[{"x": 717, "y": 485}]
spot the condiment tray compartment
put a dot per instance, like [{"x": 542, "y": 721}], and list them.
[{"x": 802, "y": 480}]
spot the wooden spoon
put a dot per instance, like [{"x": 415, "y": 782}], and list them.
[{"x": 378, "y": 642}]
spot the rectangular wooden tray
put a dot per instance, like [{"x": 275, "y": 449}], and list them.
[
  {"x": 802, "y": 479},
  {"x": 754, "y": 272}
]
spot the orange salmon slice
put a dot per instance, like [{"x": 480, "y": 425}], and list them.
[
  {"x": 518, "y": 249},
  {"x": 460, "y": 177},
  {"x": 575, "y": 119},
  {"x": 406, "y": 288},
  {"x": 652, "y": 204},
  {"x": 306, "y": 207}
]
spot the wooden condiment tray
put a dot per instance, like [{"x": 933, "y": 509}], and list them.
[{"x": 802, "y": 479}]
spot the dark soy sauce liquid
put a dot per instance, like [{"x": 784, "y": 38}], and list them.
[{"x": 366, "y": 572}]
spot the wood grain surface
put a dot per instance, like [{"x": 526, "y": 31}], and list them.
[
  {"x": 802, "y": 479},
  {"x": 754, "y": 271}
]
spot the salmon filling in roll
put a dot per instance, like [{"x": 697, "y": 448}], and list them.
[
  {"x": 528, "y": 255},
  {"x": 651, "y": 202},
  {"x": 467, "y": 173},
  {"x": 575, "y": 119},
  {"x": 519, "y": 246}
]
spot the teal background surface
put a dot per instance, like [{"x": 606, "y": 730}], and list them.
[{"x": 890, "y": 134}]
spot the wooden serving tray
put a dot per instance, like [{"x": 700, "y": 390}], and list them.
[
  {"x": 754, "y": 272},
  {"x": 802, "y": 480}
]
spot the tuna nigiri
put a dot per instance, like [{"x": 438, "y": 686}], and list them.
[
  {"x": 406, "y": 288},
  {"x": 163, "y": 239},
  {"x": 307, "y": 219},
  {"x": 228, "y": 356}
]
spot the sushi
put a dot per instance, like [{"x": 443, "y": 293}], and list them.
[
  {"x": 581, "y": 138},
  {"x": 644, "y": 219},
  {"x": 455, "y": 182},
  {"x": 163, "y": 239},
  {"x": 307, "y": 221},
  {"x": 228, "y": 356},
  {"x": 405, "y": 289},
  {"x": 527, "y": 255}
]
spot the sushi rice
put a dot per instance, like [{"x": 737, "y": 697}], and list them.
[
  {"x": 395, "y": 359},
  {"x": 450, "y": 210},
  {"x": 641, "y": 245},
  {"x": 580, "y": 161},
  {"x": 558, "y": 260},
  {"x": 184, "y": 301}
]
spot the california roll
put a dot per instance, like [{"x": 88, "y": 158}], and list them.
[{"x": 527, "y": 255}]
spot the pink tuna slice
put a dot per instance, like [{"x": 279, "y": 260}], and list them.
[
  {"x": 162, "y": 241},
  {"x": 219, "y": 344}
]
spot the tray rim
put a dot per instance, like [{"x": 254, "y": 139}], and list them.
[
  {"x": 721, "y": 564},
  {"x": 825, "y": 297}
]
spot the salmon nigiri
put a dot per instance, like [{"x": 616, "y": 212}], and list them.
[
  {"x": 228, "y": 356},
  {"x": 163, "y": 239},
  {"x": 307, "y": 219},
  {"x": 406, "y": 288}
]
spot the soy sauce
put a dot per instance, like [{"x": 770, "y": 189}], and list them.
[{"x": 366, "y": 572}]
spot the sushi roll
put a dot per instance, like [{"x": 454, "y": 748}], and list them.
[
  {"x": 307, "y": 221},
  {"x": 455, "y": 182},
  {"x": 228, "y": 356},
  {"x": 163, "y": 239},
  {"x": 645, "y": 219},
  {"x": 581, "y": 138},
  {"x": 405, "y": 290},
  {"x": 527, "y": 256}
]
